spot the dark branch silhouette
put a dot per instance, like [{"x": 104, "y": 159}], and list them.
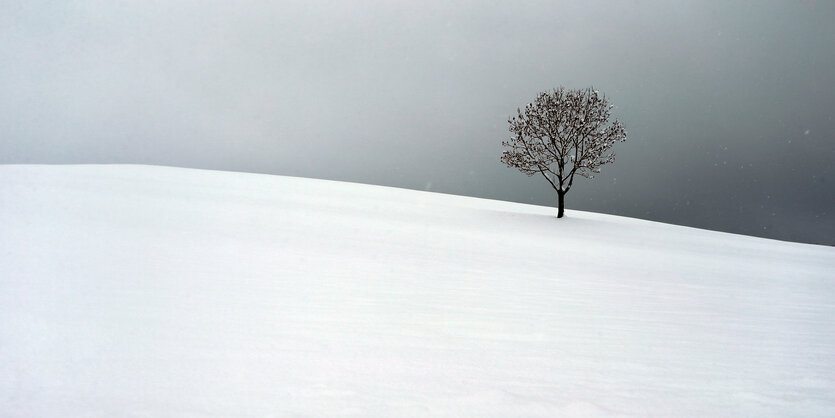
[{"x": 561, "y": 134}]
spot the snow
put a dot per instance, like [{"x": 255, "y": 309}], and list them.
[{"x": 154, "y": 291}]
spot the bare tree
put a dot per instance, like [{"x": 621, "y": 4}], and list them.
[{"x": 563, "y": 133}]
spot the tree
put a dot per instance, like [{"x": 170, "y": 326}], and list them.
[{"x": 561, "y": 134}]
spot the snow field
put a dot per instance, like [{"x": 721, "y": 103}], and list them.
[{"x": 154, "y": 291}]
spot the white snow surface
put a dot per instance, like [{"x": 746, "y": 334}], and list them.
[{"x": 155, "y": 291}]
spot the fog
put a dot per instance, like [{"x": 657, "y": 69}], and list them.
[{"x": 729, "y": 106}]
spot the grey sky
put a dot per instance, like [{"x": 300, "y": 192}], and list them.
[{"x": 729, "y": 105}]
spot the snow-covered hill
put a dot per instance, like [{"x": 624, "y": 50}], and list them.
[{"x": 152, "y": 291}]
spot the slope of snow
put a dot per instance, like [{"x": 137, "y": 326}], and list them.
[{"x": 152, "y": 291}]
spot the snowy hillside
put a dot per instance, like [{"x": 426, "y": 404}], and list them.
[{"x": 152, "y": 291}]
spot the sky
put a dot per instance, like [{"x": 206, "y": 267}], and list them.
[{"x": 728, "y": 105}]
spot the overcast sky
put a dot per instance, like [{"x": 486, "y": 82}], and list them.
[{"x": 729, "y": 105}]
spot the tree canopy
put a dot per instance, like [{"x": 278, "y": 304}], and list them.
[{"x": 561, "y": 134}]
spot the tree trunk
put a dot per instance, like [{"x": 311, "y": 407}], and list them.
[{"x": 561, "y": 210}]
